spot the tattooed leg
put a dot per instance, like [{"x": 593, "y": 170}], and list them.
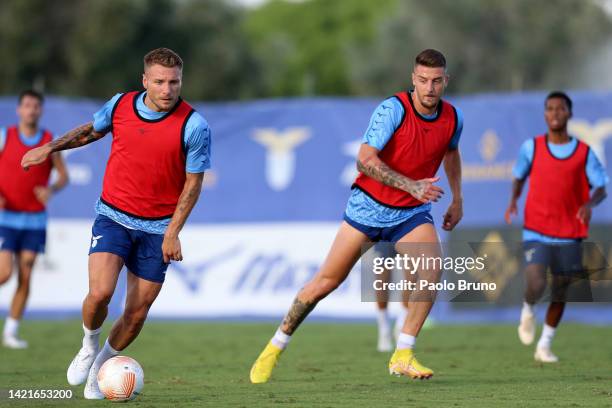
[{"x": 296, "y": 315}]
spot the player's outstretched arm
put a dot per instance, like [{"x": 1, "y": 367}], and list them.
[
  {"x": 452, "y": 167},
  {"x": 370, "y": 164},
  {"x": 517, "y": 189},
  {"x": 77, "y": 137},
  {"x": 171, "y": 247}
]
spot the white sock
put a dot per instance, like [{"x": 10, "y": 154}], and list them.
[
  {"x": 104, "y": 354},
  {"x": 528, "y": 309},
  {"x": 11, "y": 326},
  {"x": 405, "y": 341},
  {"x": 401, "y": 318},
  {"x": 91, "y": 339},
  {"x": 280, "y": 339},
  {"x": 548, "y": 333},
  {"x": 382, "y": 318}
]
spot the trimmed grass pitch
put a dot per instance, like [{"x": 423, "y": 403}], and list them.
[{"x": 195, "y": 364}]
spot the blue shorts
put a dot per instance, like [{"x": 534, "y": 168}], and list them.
[
  {"x": 16, "y": 240},
  {"x": 393, "y": 233},
  {"x": 562, "y": 258},
  {"x": 141, "y": 251}
]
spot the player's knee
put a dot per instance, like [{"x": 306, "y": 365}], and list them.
[
  {"x": 538, "y": 287},
  {"x": 100, "y": 296},
  {"x": 4, "y": 275},
  {"x": 325, "y": 286},
  {"x": 5, "y": 271}
]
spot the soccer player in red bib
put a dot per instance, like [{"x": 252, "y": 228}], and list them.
[
  {"x": 23, "y": 201},
  {"x": 562, "y": 172},
  {"x": 160, "y": 150},
  {"x": 409, "y": 136}
]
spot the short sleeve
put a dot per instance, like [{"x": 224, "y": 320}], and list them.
[
  {"x": 2, "y": 138},
  {"x": 523, "y": 163},
  {"x": 387, "y": 117},
  {"x": 454, "y": 143},
  {"x": 198, "y": 143},
  {"x": 596, "y": 172},
  {"x": 103, "y": 120}
]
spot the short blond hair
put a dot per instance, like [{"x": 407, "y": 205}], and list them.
[{"x": 164, "y": 57}]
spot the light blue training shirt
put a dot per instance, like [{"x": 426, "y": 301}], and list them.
[
  {"x": 197, "y": 140},
  {"x": 17, "y": 219},
  {"x": 386, "y": 118},
  {"x": 596, "y": 174}
]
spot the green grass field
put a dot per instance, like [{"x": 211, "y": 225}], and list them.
[{"x": 328, "y": 365}]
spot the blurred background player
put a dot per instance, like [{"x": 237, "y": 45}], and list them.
[
  {"x": 23, "y": 201},
  {"x": 562, "y": 170},
  {"x": 153, "y": 179},
  {"x": 409, "y": 136}
]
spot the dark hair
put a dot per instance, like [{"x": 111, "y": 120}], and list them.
[
  {"x": 33, "y": 94},
  {"x": 560, "y": 95},
  {"x": 430, "y": 58},
  {"x": 163, "y": 56}
]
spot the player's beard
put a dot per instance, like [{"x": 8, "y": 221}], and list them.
[{"x": 430, "y": 105}]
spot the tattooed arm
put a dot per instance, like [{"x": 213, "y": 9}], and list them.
[
  {"x": 370, "y": 164},
  {"x": 77, "y": 137},
  {"x": 171, "y": 247}
]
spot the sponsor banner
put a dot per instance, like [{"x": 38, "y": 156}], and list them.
[
  {"x": 229, "y": 270},
  {"x": 255, "y": 270}
]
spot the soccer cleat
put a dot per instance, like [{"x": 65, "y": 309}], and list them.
[
  {"x": 263, "y": 366},
  {"x": 92, "y": 391},
  {"x": 403, "y": 362},
  {"x": 527, "y": 328},
  {"x": 14, "y": 342},
  {"x": 545, "y": 355},
  {"x": 385, "y": 343},
  {"x": 80, "y": 365}
]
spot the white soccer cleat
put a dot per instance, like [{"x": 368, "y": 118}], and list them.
[
  {"x": 385, "y": 342},
  {"x": 527, "y": 328},
  {"x": 14, "y": 342},
  {"x": 80, "y": 365},
  {"x": 545, "y": 355},
  {"x": 92, "y": 391}
]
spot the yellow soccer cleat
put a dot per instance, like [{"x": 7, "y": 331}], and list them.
[
  {"x": 403, "y": 362},
  {"x": 263, "y": 366}
]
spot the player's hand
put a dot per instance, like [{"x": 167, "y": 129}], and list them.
[
  {"x": 171, "y": 249},
  {"x": 35, "y": 156},
  {"x": 584, "y": 214},
  {"x": 42, "y": 194},
  {"x": 453, "y": 215},
  {"x": 512, "y": 210},
  {"x": 425, "y": 191},
  {"x": 2, "y": 202}
]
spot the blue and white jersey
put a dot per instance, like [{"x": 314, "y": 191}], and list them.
[
  {"x": 596, "y": 173},
  {"x": 197, "y": 140},
  {"x": 387, "y": 117}
]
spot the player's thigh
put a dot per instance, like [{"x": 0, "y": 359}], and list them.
[
  {"x": 537, "y": 258},
  {"x": 141, "y": 293},
  {"x": 422, "y": 242},
  {"x": 6, "y": 265},
  {"x": 104, "y": 269},
  {"x": 344, "y": 253}
]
